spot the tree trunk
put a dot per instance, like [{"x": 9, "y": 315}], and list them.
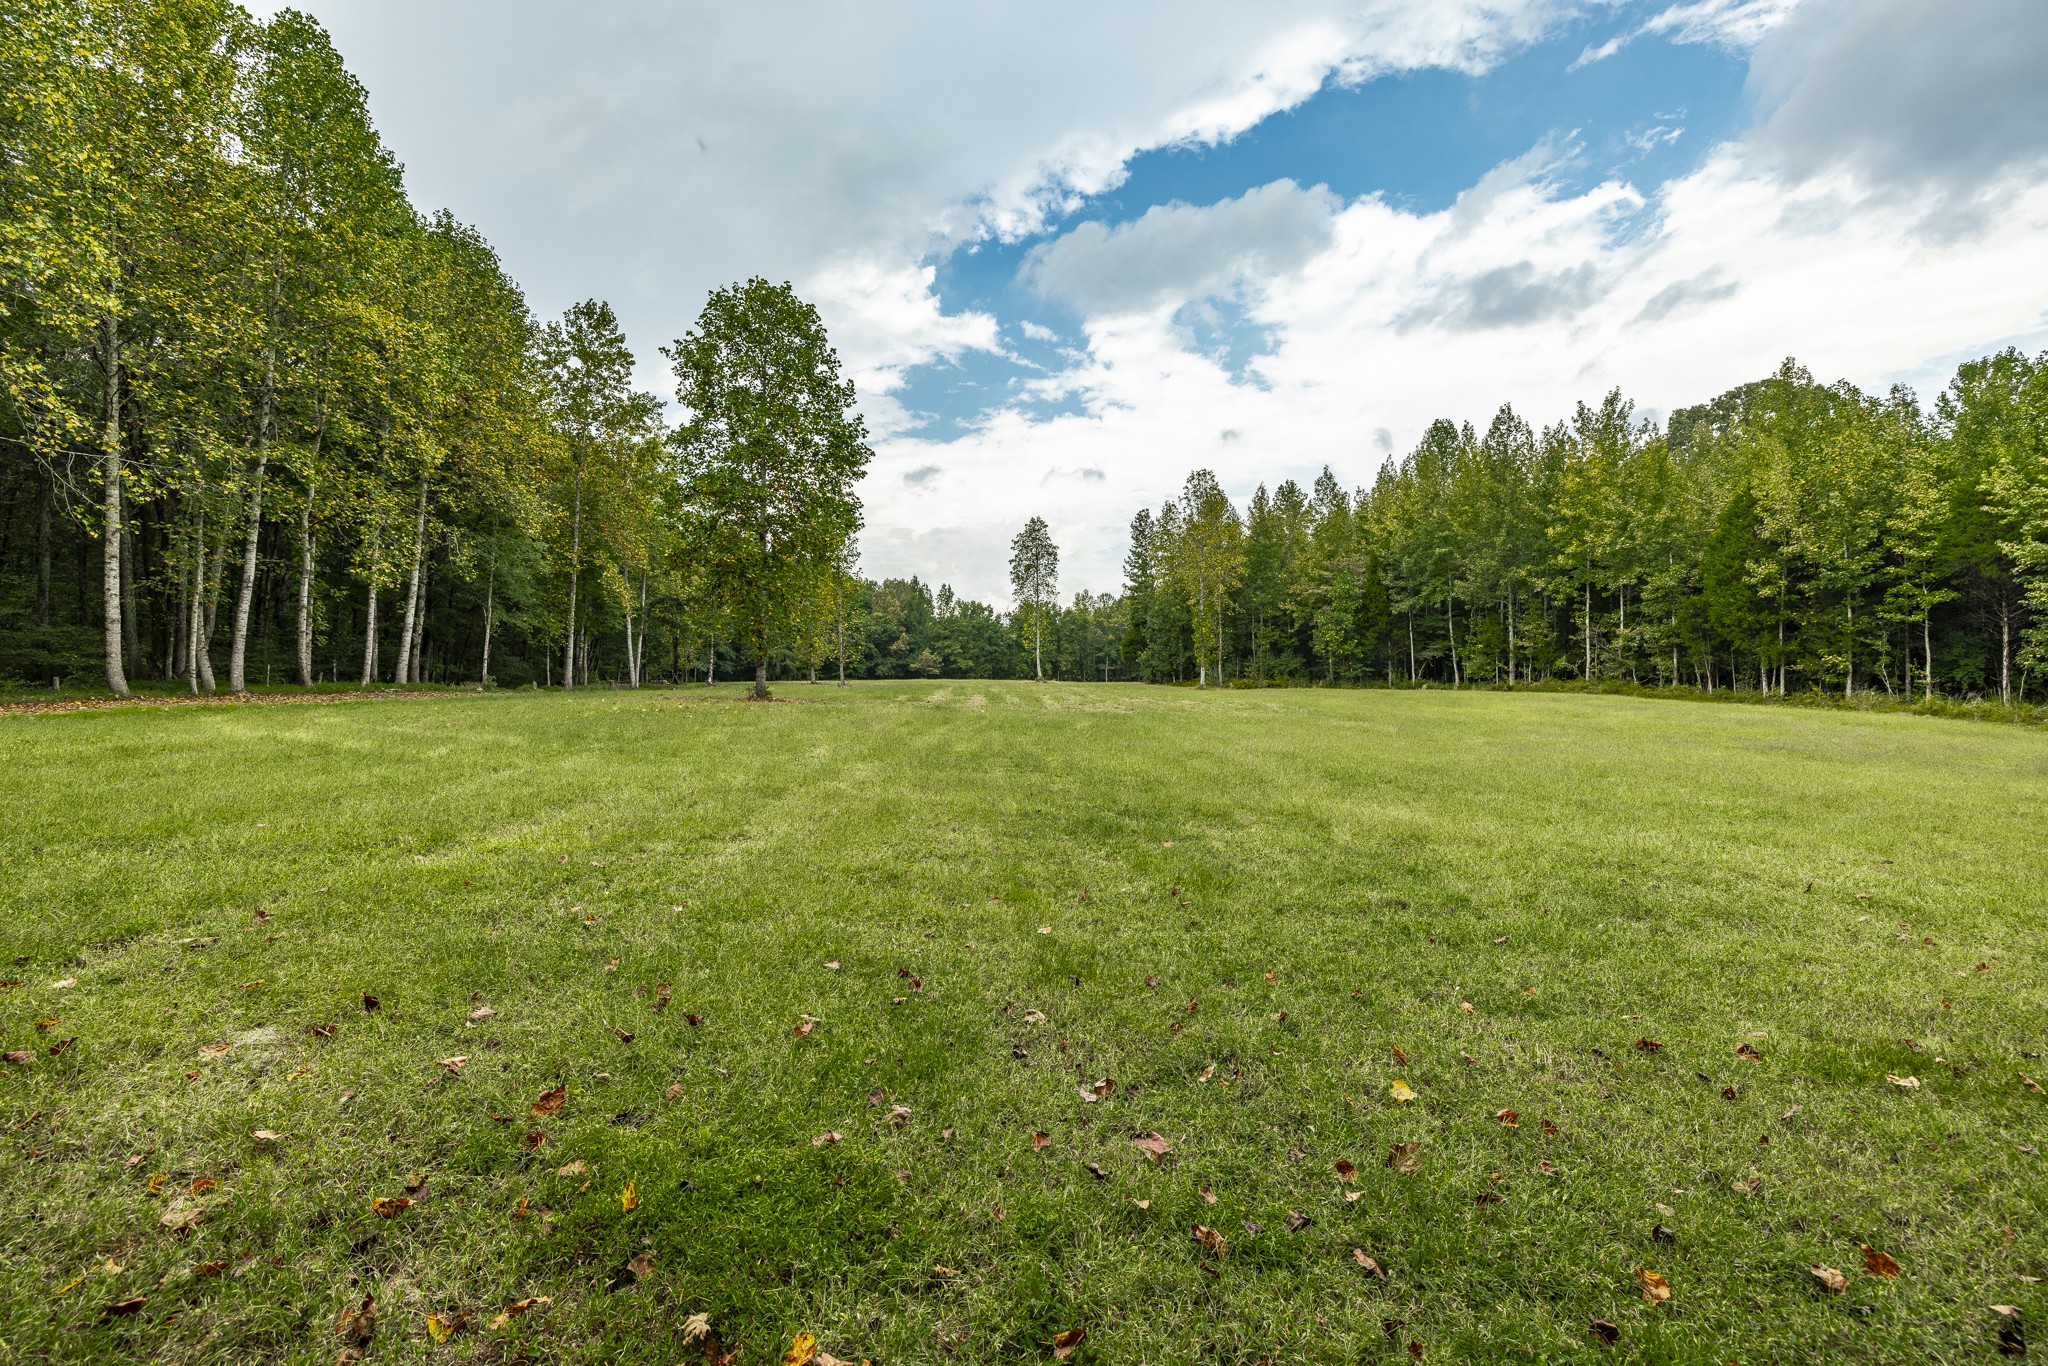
[
  {"x": 1589, "y": 630},
  {"x": 1451, "y": 626},
  {"x": 131, "y": 618},
  {"x": 1927, "y": 654},
  {"x": 46, "y": 487},
  {"x": 194, "y": 612},
  {"x": 111, "y": 498},
  {"x": 419, "y": 627},
  {"x": 490, "y": 604},
  {"x": 306, "y": 551},
  {"x": 575, "y": 568},
  {"x": 238, "y": 649},
  {"x": 412, "y": 589},
  {"x": 370, "y": 614}
]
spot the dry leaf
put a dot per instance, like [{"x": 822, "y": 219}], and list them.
[
  {"x": 1606, "y": 1332},
  {"x": 533, "y": 1142},
  {"x": 801, "y": 1350},
  {"x": 206, "y": 1271},
  {"x": 1509, "y": 1119},
  {"x": 576, "y": 1168},
  {"x": 441, "y": 1329},
  {"x": 214, "y": 1050},
  {"x": 45, "y": 1026},
  {"x": 1065, "y": 1344},
  {"x": 390, "y": 1207},
  {"x": 629, "y": 1198},
  {"x": 1550, "y": 1130},
  {"x": 1103, "y": 1088},
  {"x": 1210, "y": 1239},
  {"x": 1748, "y": 1053},
  {"x": 1045, "y": 929},
  {"x": 804, "y": 1027},
  {"x": 1876, "y": 1263},
  {"x": 1297, "y": 1221},
  {"x": 1096, "y": 1172},
  {"x": 697, "y": 1327},
  {"x": 1208, "y": 1196},
  {"x": 265, "y": 1135},
  {"x": 1405, "y": 1157},
  {"x": 1656, "y": 1289},
  {"x": 1207, "y": 1072},
  {"x": 1648, "y": 1045},
  {"x": 674, "y": 1092},
  {"x": 370, "y": 1002},
  {"x": 1903, "y": 1083},
  {"x": 1832, "y": 1280},
  {"x": 1151, "y": 1144},
  {"x": 826, "y": 1139},
  {"x": 122, "y": 1309},
  {"x": 1345, "y": 1170},
  {"x": 1466, "y": 1006},
  {"x": 1401, "y": 1091},
  {"x": 1359, "y": 1255},
  {"x": 203, "y": 1185},
  {"x": 358, "y": 1324},
  {"x": 21, "y": 1056},
  {"x": 1040, "y": 1142},
  {"x": 456, "y": 1064},
  {"x": 528, "y": 1305},
  {"x": 2032, "y": 1085},
  {"x": 551, "y": 1101}
]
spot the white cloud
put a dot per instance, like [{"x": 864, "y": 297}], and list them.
[{"x": 1740, "y": 24}]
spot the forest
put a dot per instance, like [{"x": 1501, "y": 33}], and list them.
[{"x": 264, "y": 421}]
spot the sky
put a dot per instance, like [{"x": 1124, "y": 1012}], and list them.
[{"x": 1072, "y": 250}]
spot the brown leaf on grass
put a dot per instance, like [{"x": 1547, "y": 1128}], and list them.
[
  {"x": 1399, "y": 1056},
  {"x": 1364, "y": 1259},
  {"x": 1831, "y": 1280},
  {"x": 576, "y": 1168},
  {"x": 533, "y": 1142},
  {"x": 203, "y": 1185},
  {"x": 898, "y": 1116},
  {"x": 1208, "y": 1196},
  {"x": 370, "y": 1002},
  {"x": 1546, "y": 1167},
  {"x": 551, "y": 1101},
  {"x": 214, "y": 1050},
  {"x": 1207, "y": 1073},
  {"x": 1064, "y": 1345},
  {"x": 323, "y": 1031},
  {"x": 2011, "y": 1342},
  {"x": 696, "y": 1328},
  {"x": 1151, "y": 1144},
  {"x": 1648, "y": 1045},
  {"x": 1509, "y": 1119},
  {"x": 1151, "y": 982},
  {"x": 1345, "y": 1169},
  {"x": 59, "y": 1048},
  {"x": 1550, "y": 1130},
  {"x": 1656, "y": 1289},
  {"x": 390, "y": 1207},
  {"x": 1040, "y": 1141},
  {"x": 21, "y": 1057},
  {"x": 1096, "y": 1171},
  {"x": 694, "y": 1021},
  {"x": 2032, "y": 1085},
  {"x": 265, "y": 1135},
  {"x": 1104, "y": 1088},
  {"x": 358, "y": 1324},
  {"x": 1729, "y": 1093},
  {"x": 441, "y": 1327},
  {"x": 1405, "y": 1157},
  {"x": 456, "y": 1064},
  {"x": 1903, "y": 1083},
  {"x": 1297, "y": 1221},
  {"x": 623, "y": 1035},
  {"x": 1748, "y": 1053},
  {"x": 1606, "y": 1332},
  {"x": 44, "y": 1026},
  {"x": 520, "y": 1308},
  {"x": 642, "y": 1265},
  {"x": 1415, "y": 1350},
  {"x": 1467, "y": 1007},
  {"x": 1876, "y": 1263},
  {"x": 416, "y": 1185},
  {"x": 827, "y": 1139},
  {"x": 1211, "y": 1241},
  {"x": 804, "y": 1027},
  {"x": 523, "y": 1209},
  {"x": 123, "y": 1309}
]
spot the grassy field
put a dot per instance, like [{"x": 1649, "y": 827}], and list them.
[{"x": 938, "y": 921}]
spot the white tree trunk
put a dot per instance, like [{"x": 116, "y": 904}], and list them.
[
  {"x": 412, "y": 591},
  {"x": 112, "y": 497},
  {"x": 490, "y": 604},
  {"x": 306, "y": 589}
]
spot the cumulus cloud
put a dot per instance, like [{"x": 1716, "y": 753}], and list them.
[
  {"x": 1177, "y": 252},
  {"x": 1945, "y": 100}
]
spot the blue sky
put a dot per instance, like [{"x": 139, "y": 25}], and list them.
[{"x": 1071, "y": 251}]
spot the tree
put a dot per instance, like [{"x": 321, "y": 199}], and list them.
[
  {"x": 1034, "y": 582},
  {"x": 769, "y": 456},
  {"x": 1204, "y": 553}
]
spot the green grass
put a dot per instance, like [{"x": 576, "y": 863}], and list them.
[{"x": 1314, "y": 878}]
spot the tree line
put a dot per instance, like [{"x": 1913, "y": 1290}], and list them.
[
  {"x": 1786, "y": 536},
  {"x": 262, "y": 419}
]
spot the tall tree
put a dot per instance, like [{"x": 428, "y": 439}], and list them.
[
  {"x": 769, "y": 456},
  {"x": 1034, "y": 582}
]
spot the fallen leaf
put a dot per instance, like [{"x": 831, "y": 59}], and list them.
[
  {"x": 1401, "y": 1091},
  {"x": 1103, "y": 1088},
  {"x": 526, "y": 1306},
  {"x": 441, "y": 1329},
  {"x": 1207, "y": 1072},
  {"x": 390, "y": 1207},
  {"x": 1903, "y": 1083},
  {"x": 1606, "y": 1332},
  {"x": 1748, "y": 1053},
  {"x": 324, "y": 1031},
  {"x": 206, "y": 1271},
  {"x": 1045, "y": 929},
  {"x": 1786, "y": 1118},
  {"x": 59, "y": 1048},
  {"x": 533, "y": 1142},
  {"x": 1208, "y": 1196},
  {"x": 696, "y": 1328},
  {"x": 1466, "y": 1006},
  {"x": 629, "y": 1198},
  {"x": 45, "y": 1026},
  {"x": 1142, "y": 1204},
  {"x": 1405, "y": 1157},
  {"x": 1151, "y": 1144},
  {"x": 456, "y": 1064},
  {"x": 370, "y": 1002},
  {"x": 1040, "y": 1142},
  {"x": 2032, "y": 1085},
  {"x": 1065, "y": 1344},
  {"x": 123, "y": 1309},
  {"x": 1210, "y": 1240},
  {"x": 1648, "y": 1045},
  {"x": 203, "y": 1185},
  {"x": 1297, "y": 1221},
  {"x": 1359, "y": 1255},
  {"x": 1345, "y": 1170},
  {"x": 1509, "y": 1119},
  {"x": 21, "y": 1056},
  {"x": 64, "y": 985},
  {"x": 265, "y": 1135},
  {"x": 1415, "y": 1350},
  {"x": 358, "y": 1324},
  {"x": 1546, "y": 1168},
  {"x": 1831, "y": 1280},
  {"x": 576, "y": 1168},
  {"x": 1550, "y": 1130},
  {"x": 1876, "y": 1263},
  {"x": 1096, "y": 1172},
  {"x": 826, "y": 1139},
  {"x": 214, "y": 1050},
  {"x": 1656, "y": 1289},
  {"x": 551, "y": 1101},
  {"x": 899, "y": 1115},
  {"x": 156, "y": 1184},
  {"x": 801, "y": 1350}
]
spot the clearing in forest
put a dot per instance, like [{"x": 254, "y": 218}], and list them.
[{"x": 952, "y": 1023}]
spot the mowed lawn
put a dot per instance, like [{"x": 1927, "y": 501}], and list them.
[{"x": 940, "y": 920}]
